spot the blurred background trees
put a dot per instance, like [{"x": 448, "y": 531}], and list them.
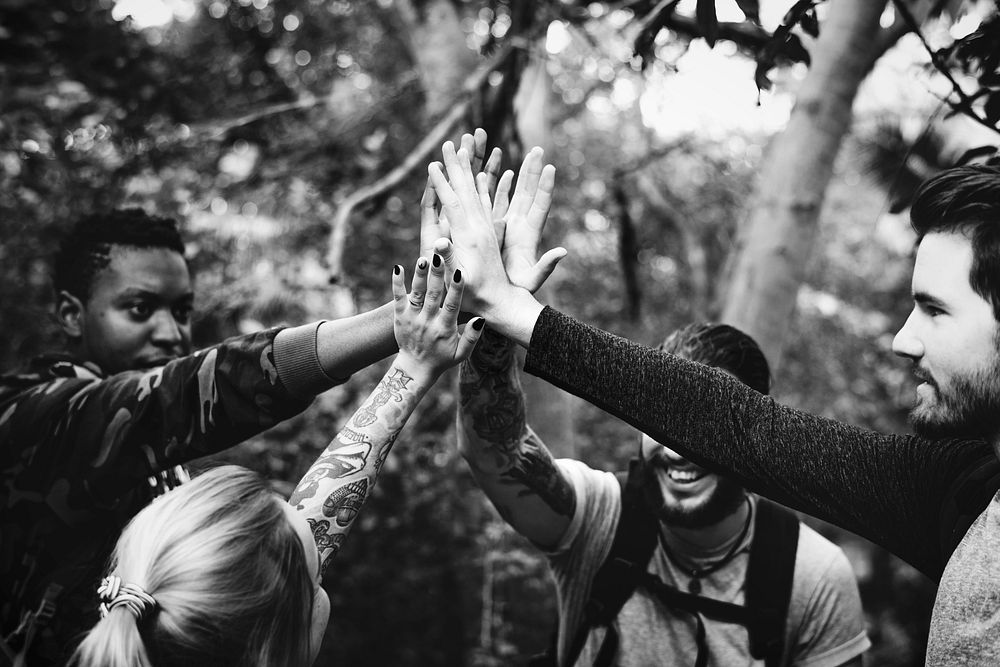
[{"x": 732, "y": 159}]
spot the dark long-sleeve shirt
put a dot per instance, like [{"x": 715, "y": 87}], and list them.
[
  {"x": 913, "y": 496},
  {"x": 81, "y": 454},
  {"x": 933, "y": 503}
]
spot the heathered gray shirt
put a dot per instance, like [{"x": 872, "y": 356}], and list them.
[{"x": 917, "y": 498}]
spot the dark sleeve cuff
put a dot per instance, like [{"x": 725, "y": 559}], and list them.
[
  {"x": 297, "y": 361},
  {"x": 540, "y": 346}
]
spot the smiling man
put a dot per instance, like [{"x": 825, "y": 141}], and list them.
[
  {"x": 673, "y": 564},
  {"x": 89, "y": 436},
  {"x": 930, "y": 498}
]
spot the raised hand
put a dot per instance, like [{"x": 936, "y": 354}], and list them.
[
  {"x": 339, "y": 483},
  {"x": 426, "y": 320},
  {"x": 524, "y": 219},
  {"x": 476, "y": 250},
  {"x": 433, "y": 225}
]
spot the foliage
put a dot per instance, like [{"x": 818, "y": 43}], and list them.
[{"x": 252, "y": 120}]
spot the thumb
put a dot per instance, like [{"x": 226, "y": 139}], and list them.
[
  {"x": 446, "y": 249},
  {"x": 543, "y": 268},
  {"x": 473, "y": 330}
]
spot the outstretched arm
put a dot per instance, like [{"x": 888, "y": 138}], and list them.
[
  {"x": 338, "y": 484},
  {"x": 507, "y": 458},
  {"x": 824, "y": 468}
]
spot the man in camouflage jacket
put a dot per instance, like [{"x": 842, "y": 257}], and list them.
[{"x": 89, "y": 438}]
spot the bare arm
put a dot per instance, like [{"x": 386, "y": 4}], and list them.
[
  {"x": 347, "y": 345},
  {"x": 337, "y": 485},
  {"x": 426, "y": 325},
  {"x": 507, "y": 458}
]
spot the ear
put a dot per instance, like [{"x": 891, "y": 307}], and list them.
[{"x": 69, "y": 312}]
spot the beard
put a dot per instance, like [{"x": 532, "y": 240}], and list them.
[
  {"x": 724, "y": 500},
  {"x": 969, "y": 407}
]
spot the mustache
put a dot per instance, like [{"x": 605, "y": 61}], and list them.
[{"x": 924, "y": 376}]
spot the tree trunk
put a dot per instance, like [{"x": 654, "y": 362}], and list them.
[
  {"x": 438, "y": 47},
  {"x": 775, "y": 241}
]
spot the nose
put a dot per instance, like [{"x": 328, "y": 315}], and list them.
[
  {"x": 907, "y": 343},
  {"x": 166, "y": 330}
]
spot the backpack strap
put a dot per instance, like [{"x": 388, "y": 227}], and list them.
[
  {"x": 770, "y": 572},
  {"x": 622, "y": 571}
]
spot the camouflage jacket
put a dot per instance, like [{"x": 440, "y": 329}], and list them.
[{"x": 81, "y": 454}]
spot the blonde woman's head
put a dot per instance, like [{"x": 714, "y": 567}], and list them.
[{"x": 234, "y": 573}]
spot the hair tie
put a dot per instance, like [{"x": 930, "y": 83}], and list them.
[{"x": 113, "y": 592}]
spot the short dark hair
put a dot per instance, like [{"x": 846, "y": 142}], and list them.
[
  {"x": 87, "y": 248},
  {"x": 724, "y": 347},
  {"x": 966, "y": 200}
]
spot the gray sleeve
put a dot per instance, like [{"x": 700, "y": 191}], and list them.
[
  {"x": 297, "y": 361},
  {"x": 576, "y": 559},
  {"x": 821, "y": 467}
]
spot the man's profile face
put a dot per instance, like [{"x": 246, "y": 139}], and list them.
[
  {"x": 138, "y": 312},
  {"x": 692, "y": 497},
  {"x": 951, "y": 336}
]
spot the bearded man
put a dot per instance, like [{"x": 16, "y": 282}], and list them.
[{"x": 702, "y": 531}]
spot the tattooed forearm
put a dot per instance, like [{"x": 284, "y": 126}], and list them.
[
  {"x": 535, "y": 469},
  {"x": 493, "y": 354},
  {"x": 491, "y": 396},
  {"x": 389, "y": 389},
  {"x": 332, "y": 493},
  {"x": 327, "y": 543},
  {"x": 501, "y": 445}
]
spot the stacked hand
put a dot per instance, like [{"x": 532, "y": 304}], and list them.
[
  {"x": 495, "y": 237},
  {"x": 426, "y": 321}
]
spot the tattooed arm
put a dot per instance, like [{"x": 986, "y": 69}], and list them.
[
  {"x": 507, "y": 458},
  {"x": 426, "y": 327}
]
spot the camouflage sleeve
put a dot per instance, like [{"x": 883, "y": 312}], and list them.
[{"x": 117, "y": 431}]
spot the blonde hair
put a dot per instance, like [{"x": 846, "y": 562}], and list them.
[{"x": 227, "y": 571}]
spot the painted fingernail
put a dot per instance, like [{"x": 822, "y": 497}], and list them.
[
  {"x": 437, "y": 260},
  {"x": 479, "y": 324},
  {"x": 396, "y": 269},
  {"x": 422, "y": 264},
  {"x": 457, "y": 278}
]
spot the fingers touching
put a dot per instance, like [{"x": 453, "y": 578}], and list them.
[{"x": 426, "y": 318}]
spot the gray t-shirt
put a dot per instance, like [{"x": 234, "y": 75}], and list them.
[
  {"x": 913, "y": 496},
  {"x": 965, "y": 624},
  {"x": 825, "y": 624}
]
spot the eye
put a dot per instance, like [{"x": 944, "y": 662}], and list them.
[
  {"x": 183, "y": 314},
  {"x": 932, "y": 311},
  {"x": 140, "y": 310}
]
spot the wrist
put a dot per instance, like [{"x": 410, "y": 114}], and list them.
[
  {"x": 423, "y": 374},
  {"x": 513, "y": 314}
]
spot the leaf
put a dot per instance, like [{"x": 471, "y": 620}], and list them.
[
  {"x": 794, "y": 50},
  {"x": 645, "y": 41},
  {"x": 751, "y": 8},
  {"x": 989, "y": 79},
  {"x": 809, "y": 23},
  {"x": 761, "y": 79},
  {"x": 992, "y": 108},
  {"x": 708, "y": 21},
  {"x": 973, "y": 153}
]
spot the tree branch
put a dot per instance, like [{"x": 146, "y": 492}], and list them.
[
  {"x": 744, "y": 34},
  {"x": 964, "y": 103},
  {"x": 416, "y": 157}
]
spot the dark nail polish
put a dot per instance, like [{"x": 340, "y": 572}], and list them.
[
  {"x": 437, "y": 260},
  {"x": 422, "y": 264},
  {"x": 479, "y": 324},
  {"x": 458, "y": 276},
  {"x": 396, "y": 269}
]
